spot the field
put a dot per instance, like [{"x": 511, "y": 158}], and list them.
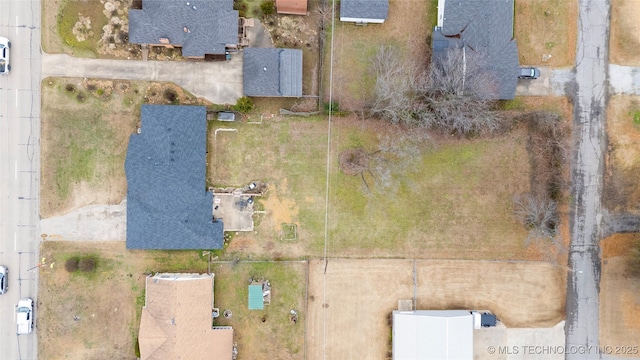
[
  {"x": 621, "y": 192},
  {"x": 360, "y": 295},
  {"x": 624, "y": 38},
  {"x": 95, "y": 316},
  {"x": 619, "y": 293},
  {"x": 86, "y": 126},
  {"x": 546, "y": 27},
  {"x": 277, "y": 334}
]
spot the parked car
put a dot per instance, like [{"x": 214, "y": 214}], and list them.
[
  {"x": 4, "y": 279},
  {"x": 24, "y": 318},
  {"x": 5, "y": 45},
  {"x": 529, "y": 73}
]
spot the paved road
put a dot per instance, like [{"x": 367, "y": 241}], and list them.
[
  {"x": 219, "y": 82},
  {"x": 587, "y": 173},
  {"x": 19, "y": 170}
]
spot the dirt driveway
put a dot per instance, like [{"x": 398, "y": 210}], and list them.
[{"x": 360, "y": 295}]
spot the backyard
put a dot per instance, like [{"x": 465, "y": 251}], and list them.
[{"x": 262, "y": 333}]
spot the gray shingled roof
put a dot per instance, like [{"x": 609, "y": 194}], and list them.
[
  {"x": 168, "y": 206},
  {"x": 272, "y": 72},
  {"x": 486, "y": 27},
  {"x": 210, "y": 25},
  {"x": 364, "y": 9}
]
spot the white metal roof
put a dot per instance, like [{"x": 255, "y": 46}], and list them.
[{"x": 432, "y": 334}]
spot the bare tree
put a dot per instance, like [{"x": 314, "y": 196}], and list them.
[
  {"x": 454, "y": 94},
  {"x": 538, "y": 214}
]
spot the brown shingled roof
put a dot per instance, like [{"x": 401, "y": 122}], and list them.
[
  {"x": 176, "y": 320},
  {"x": 295, "y": 7}
]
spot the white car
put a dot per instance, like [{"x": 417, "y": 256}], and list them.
[
  {"x": 4, "y": 273},
  {"x": 24, "y": 317},
  {"x": 5, "y": 45}
]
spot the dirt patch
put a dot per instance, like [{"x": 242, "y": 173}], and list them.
[
  {"x": 553, "y": 43},
  {"x": 619, "y": 304},
  {"x": 96, "y": 316},
  {"x": 624, "y": 43},
  {"x": 368, "y": 290},
  {"x": 621, "y": 191}
]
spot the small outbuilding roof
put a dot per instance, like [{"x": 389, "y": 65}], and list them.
[
  {"x": 256, "y": 301},
  {"x": 198, "y": 26},
  {"x": 293, "y": 7},
  {"x": 168, "y": 205},
  {"x": 364, "y": 10},
  {"x": 432, "y": 334},
  {"x": 272, "y": 72}
]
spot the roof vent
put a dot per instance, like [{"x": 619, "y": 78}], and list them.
[
  {"x": 194, "y": 7},
  {"x": 186, "y": 29},
  {"x": 264, "y": 69},
  {"x": 164, "y": 40}
]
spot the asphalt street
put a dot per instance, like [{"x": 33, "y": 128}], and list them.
[
  {"x": 587, "y": 171},
  {"x": 19, "y": 171}
]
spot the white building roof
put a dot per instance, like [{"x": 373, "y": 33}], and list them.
[{"x": 432, "y": 334}]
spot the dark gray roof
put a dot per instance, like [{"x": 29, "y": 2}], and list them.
[
  {"x": 272, "y": 72},
  {"x": 485, "y": 27},
  {"x": 168, "y": 206},
  {"x": 364, "y": 9},
  {"x": 210, "y": 25}
]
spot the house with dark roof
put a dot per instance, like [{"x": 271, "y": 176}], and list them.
[
  {"x": 364, "y": 11},
  {"x": 291, "y": 7},
  {"x": 272, "y": 72},
  {"x": 168, "y": 205},
  {"x": 199, "y": 27},
  {"x": 482, "y": 29},
  {"x": 176, "y": 320}
]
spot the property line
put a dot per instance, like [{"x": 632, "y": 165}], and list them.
[{"x": 326, "y": 199}]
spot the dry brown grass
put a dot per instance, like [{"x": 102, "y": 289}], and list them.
[
  {"x": 360, "y": 294},
  {"x": 623, "y": 158},
  {"x": 546, "y": 27},
  {"x": 624, "y": 37}
]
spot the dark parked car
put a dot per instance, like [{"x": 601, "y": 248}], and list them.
[{"x": 529, "y": 73}]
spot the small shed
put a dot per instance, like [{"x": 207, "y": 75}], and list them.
[
  {"x": 226, "y": 116},
  {"x": 292, "y": 7},
  {"x": 256, "y": 301}
]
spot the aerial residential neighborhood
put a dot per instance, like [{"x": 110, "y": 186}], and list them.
[{"x": 319, "y": 179}]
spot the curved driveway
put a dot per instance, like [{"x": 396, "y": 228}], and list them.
[{"x": 217, "y": 81}]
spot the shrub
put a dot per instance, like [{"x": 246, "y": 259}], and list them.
[
  {"x": 87, "y": 264},
  {"x": 244, "y": 105},
  {"x": 332, "y": 107},
  {"x": 71, "y": 265},
  {"x": 268, "y": 7}
]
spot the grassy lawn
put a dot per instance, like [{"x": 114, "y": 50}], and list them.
[
  {"x": 546, "y": 27},
  {"x": 70, "y": 13},
  {"x": 625, "y": 32},
  {"x": 97, "y": 315},
  {"x": 258, "y": 339}
]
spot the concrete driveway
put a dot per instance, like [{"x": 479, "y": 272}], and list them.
[
  {"x": 219, "y": 82},
  {"x": 552, "y": 82}
]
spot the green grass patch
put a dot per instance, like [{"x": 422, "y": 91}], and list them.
[
  {"x": 635, "y": 116},
  {"x": 69, "y": 15}
]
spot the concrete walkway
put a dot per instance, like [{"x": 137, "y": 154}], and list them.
[{"x": 219, "y": 82}]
